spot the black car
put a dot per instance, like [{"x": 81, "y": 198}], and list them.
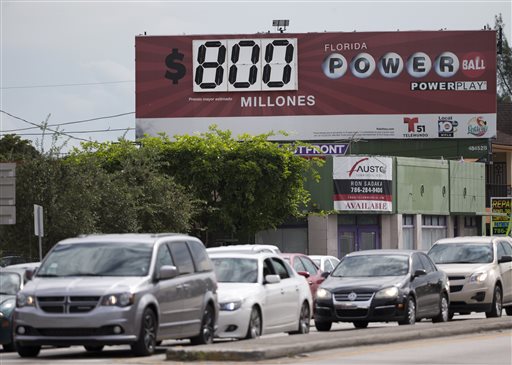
[{"x": 382, "y": 286}]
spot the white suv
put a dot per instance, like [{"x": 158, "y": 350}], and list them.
[
  {"x": 480, "y": 273},
  {"x": 135, "y": 289}
]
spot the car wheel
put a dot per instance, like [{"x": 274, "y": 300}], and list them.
[
  {"x": 206, "y": 334},
  {"x": 323, "y": 326},
  {"x": 508, "y": 310},
  {"x": 443, "y": 311},
  {"x": 304, "y": 319},
  {"x": 145, "y": 345},
  {"x": 410, "y": 313},
  {"x": 93, "y": 348},
  {"x": 28, "y": 351},
  {"x": 360, "y": 324},
  {"x": 254, "y": 329},
  {"x": 496, "y": 304}
]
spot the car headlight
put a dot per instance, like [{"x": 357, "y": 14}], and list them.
[
  {"x": 322, "y": 293},
  {"x": 25, "y": 300},
  {"x": 387, "y": 293},
  {"x": 230, "y": 306},
  {"x": 119, "y": 300},
  {"x": 478, "y": 277}
]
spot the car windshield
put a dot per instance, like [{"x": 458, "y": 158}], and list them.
[
  {"x": 235, "y": 270},
  {"x": 98, "y": 259},
  {"x": 461, "y": 253},
  {"x": 372, "y": 265},
  {"x": 317, "y": 262},
  {"x": 9, "y": 283}
]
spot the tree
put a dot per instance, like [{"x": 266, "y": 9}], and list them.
[
  {"x": 247, "y": 183},
  {"x": 13, "y": 148},
  {"x": 503, "y": 63}
]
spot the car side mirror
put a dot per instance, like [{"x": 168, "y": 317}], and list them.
[
  {"x": 419, "y": 273},
  {"x": 325, "y": 274},
  {"x": 167, "y": 272},
  {"x": 272, "y": 279},
  {"x": 505, "y": 258},
  {"x": 29, "y": 273},
  {"x": 304, "y": 273}
]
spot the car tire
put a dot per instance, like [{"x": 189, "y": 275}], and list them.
[
  {"x": 146, "y": 342},
  {"x": 496, "y": 304},
  {"x": 207, "y": 327},
  {"x": 254, "y": 329},
  {"x": 360, "y": 324},
  {"x": 28, "y": 351},
  {"x": 304, "y": 319},
  {"x": 410, "y": 313},
  {"x": 93, "y": 348},
  {"x": 444, "y": 313},
  {"x": 508, "y": 310},
  {"x": 323, "y": 326}
]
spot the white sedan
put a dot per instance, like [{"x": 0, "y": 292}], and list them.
[
  {"x": 325, "y": 262},
  {"x": 259, "y": 294}
]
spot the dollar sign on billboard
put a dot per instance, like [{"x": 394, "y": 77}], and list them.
[{"x": 178, "y": 68}]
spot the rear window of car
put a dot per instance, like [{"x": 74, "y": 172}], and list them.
[
  {"x": 461, "y": 253},
  {"x": 372, "y": 265}
]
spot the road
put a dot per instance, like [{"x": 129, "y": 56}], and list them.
[{"x": 466, "y": 349}]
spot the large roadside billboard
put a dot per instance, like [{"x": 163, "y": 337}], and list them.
[{"x": 320, "y": 86}]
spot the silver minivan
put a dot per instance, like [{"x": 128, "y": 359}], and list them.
[{"x": 136, "y": 289}]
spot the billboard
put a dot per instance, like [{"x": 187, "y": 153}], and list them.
[
  {"x": 502, "y": 223},
  {"x": 363, "y": 183},
  {"x": 320, "y": 86}
]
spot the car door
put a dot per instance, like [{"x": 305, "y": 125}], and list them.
[
  {"x": 505, "y": 249},
  {"x": 169, "y": 295},
  {"x": 315, "y": 278},
  {"x": 434, "y": 286},
  {"x": 272, "y": 307},
  {"x": 191, "y": 287},
  {"x": 289, "y": 300},
  {"x": 420, "y": 286}
]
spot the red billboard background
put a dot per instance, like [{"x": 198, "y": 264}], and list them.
[{"x": 165, "y": 80}]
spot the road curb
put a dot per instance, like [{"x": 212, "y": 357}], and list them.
[{"x": 271, "y": 348}]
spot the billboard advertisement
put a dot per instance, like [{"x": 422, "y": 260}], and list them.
[
  {"x": 501, "y": 218},
  {"x": 363, "y": 183},
  {"x": 320, "y": 86}
]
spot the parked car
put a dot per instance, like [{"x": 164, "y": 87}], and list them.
[
  {"x": 325, "y": 262},
  {"x": 381, "y": 286},
  {"x": 134, "y": 289},
  {"x": 480, "y": 273},
  {"x": 12, "y": 260},
  {"x": 12, "y": 280},
  {"x": 304, "y": 266},
  {"x": 244, "y": 248},
  {"x": 259, "y": 293}
]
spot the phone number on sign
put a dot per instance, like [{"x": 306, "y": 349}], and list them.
[{"x": 368, "y": 189}]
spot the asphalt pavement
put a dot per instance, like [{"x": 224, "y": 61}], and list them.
[{"x": 285, "y": 346}]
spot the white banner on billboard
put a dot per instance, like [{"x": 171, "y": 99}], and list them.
[
  {"x": 338, "y": 127},
  {"x": 363, "y": 183}
]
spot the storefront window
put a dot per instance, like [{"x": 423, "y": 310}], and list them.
[
  {"x": 433, "y": 229},
  {"x": 408, "y": 231}
]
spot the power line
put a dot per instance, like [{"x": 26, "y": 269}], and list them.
[
  {"x": 65, "y": 85},
  {"x": 75, "y": 122},
  {"x": 74, "y": 132},
  {"x": 51, "y": 130}
]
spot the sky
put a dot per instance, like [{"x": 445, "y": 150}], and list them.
[{"x": 71, "y": 63}]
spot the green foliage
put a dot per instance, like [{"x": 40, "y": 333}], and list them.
[
  {"x": 248, "y": 183},
  {"x": 13, "y": 148}
]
